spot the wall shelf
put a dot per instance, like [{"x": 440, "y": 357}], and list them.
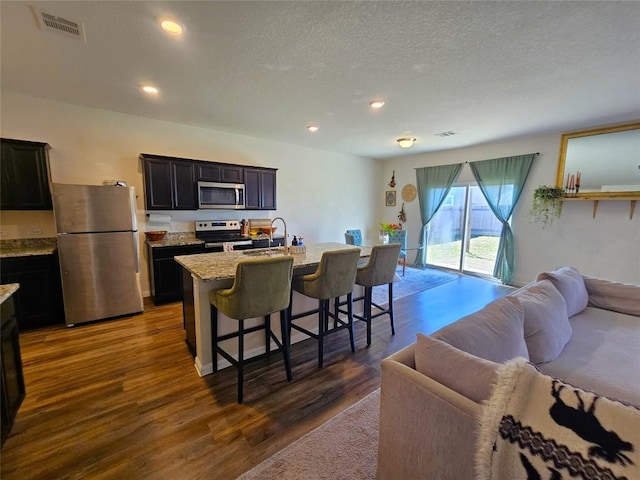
[{"x": 596, "y": 200}]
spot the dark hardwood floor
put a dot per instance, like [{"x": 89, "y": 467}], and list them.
[{"x": 121, "y": 398}]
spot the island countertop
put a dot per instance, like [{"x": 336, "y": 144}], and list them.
[{"x": 221, "y": 266}]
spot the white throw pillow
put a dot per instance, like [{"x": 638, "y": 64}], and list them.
[
  {"x": 546, "y": 324},
  {"x": 494, "y": 333},
  {"x": 570, "y": 283}
]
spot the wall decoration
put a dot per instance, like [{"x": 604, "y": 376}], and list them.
[
  {"x": 409, "y": 192},
  {"x": 402, "y": 216},
  {"x": 392, "y": 183},
  {"x": 390, "y": 198}
]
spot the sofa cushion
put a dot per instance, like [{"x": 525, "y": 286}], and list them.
[
  {"x": 494, "y": 333},
  {"x": 462, "y": 372},
  {"x": 615, "y": 296},
  {"x": 569, "y": 282},
  {"x": 546, "y": 324},
  {"x": 602, "y": 355}
]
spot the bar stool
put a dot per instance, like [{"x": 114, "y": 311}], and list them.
[
  {"x": 334, "y": 277},
  {"x": 261, "y": 287},
  {"x": 379, "y": 270}
]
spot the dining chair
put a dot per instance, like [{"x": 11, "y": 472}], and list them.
[{"x": 400, "y": 236}]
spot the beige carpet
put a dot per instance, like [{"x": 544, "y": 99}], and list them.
[{"x": 344, "y": 447}]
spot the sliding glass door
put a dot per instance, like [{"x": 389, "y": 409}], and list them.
[{"x": 464, "y": 234}]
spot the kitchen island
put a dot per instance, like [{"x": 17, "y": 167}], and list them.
[{"x": 211, "y": 271}]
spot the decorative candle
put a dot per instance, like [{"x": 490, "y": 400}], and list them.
[
  {"x": 578, "y": 178},
  {"x": 568, "y": 178},
  {"x": 572, "y": 181}
]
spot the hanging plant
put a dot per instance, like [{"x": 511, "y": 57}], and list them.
[
  {"x": 547, "y": 205},
  {"x": 402, "y": 216}
]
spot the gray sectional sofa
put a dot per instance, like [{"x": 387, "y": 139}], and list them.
[{"x": 583, "y": 330}]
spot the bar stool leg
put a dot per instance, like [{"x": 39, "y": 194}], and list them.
[
  {"x": 240, "y": 361},
  {"x": 267, "y": 333},
  {"x": 286, "y": 344},
  {"x": 350, "y": 321},
  {"x": 393, "y": 330},
  {"x": 322, "y": 319},
  {"x": 214, "y": 337},
  {"x": 368, "y": 293}
]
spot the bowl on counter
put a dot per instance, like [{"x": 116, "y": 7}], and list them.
[
  {"x": 268, "y": 230},
  {"x": 155, "y": 235}
]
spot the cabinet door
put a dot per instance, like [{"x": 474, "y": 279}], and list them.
[
  {"x": 252, "y": 189},
  {"x": 167, "y": 273},
  {"x": 25, "y": 183},
  {"x": 268, "y": 184},
  {"x": 230, "y": 174},
  {"x": 184, "y": 185},
  {"x": 157, "y": 184},
  {"x": 208, "y": 172},
  {"x": 260, "y": 189},
  {"x": 13, "y": 390}
]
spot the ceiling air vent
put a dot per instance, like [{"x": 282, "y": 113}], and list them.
[
  {"x": 70, "y": 28},
  {"x": 445, "y": 134}
]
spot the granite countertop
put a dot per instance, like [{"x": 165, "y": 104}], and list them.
[
  {"x": 7, "y": 290},
  {"x": 26, "y": 247},
  {"x": 222, "y": 266},
  {"x": 176, "y": 239}
]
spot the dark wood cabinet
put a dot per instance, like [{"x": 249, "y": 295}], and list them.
[
  {"x": 24, "y": 176},
  {"x": 218, "y": 172},
  {"x": 169, "y": 184},
  {"x": 166, "y": 273},
  {"x": 260, "y": 188},
  {"x": 12, "y": 380},
  {"x": 39, "y": 299}
]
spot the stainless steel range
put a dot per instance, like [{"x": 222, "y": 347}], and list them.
[{"x": 215, "y": 233}]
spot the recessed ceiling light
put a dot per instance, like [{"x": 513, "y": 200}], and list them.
[
  {"x": 376, "y": 104},
  {"x": 405, "y": 142},
  {"x": 150, "y": 89},
  {"x": 312, "y": 128},
  {"x": 171, "y": 26}
]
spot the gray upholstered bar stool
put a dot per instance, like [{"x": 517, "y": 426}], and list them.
[
  {"x": 261, "y": 287},
  {"x": 334, "y": 277},
  {"x": 379, "y": 270}
]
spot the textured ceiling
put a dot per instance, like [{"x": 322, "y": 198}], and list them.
[{"x": 486, "y": 70}]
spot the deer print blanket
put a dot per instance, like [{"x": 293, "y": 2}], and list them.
[{"x": 535, "y": 427}]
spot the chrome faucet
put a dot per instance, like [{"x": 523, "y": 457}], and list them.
[{"x": 286, "y": 249}]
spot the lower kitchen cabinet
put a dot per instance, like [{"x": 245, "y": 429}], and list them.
[
  {"x": 12, "y": 381},
  {"x": 39, "y": 299},
  {"x": 166, "y": 273}
]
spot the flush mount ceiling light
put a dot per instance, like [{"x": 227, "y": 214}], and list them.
[
  {"x": 405, "y": 142},
  {"x": 149, "y": 89},
  {"x": 312, "y": 128},
  {"x": 376, "y": 104},
  {"x": 171, "y": 26}
]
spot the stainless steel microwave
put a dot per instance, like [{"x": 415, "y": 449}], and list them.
[{"x": 221, "y": 195}]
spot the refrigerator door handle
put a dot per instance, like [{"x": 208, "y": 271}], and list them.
[{"x": 136, "y": 254}]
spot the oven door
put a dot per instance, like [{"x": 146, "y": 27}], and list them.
[
  {"x": 221, "y": 195},
  {"x": 211, "y": 247}
]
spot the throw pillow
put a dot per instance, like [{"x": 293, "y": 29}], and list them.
[
  {"x": 546, "y": 324},
  {"x": 494, "y": 333},
  {"x": 619, "y": 297},
  {"x": 462, "y": 372},
  {"x": 570, "y": 283}
]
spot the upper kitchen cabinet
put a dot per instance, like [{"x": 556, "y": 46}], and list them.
[
  {"x": 170, "y": 184},
  {"x": 260, "y": 188},
  {"x": 24, "y": 177},
  {"x": 219, "y": 172}
]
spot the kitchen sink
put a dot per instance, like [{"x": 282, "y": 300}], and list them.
[{"x": 264, "y": 252}]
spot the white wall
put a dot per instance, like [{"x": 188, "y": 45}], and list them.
[
  {"x": 607, "y": 246},
  {"x": 320, "y": 194}
]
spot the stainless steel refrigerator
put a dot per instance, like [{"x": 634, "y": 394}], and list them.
[{"x": 98, "y": 251}]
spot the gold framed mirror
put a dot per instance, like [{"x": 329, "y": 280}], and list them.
[{"x": 607, "y": 158}]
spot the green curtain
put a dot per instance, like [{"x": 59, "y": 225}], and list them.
[
  {"x": 501, "y": 181},
  {"x": 434, "y": 184}
]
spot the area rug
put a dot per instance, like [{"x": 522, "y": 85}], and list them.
[
  {"x": 538, "y": 427},
  {"x": 344, "y": 447},
  {"x": 415, "y": 280}
]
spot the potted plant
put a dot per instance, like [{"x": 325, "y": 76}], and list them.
[{"x": 547, "y": 205}]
